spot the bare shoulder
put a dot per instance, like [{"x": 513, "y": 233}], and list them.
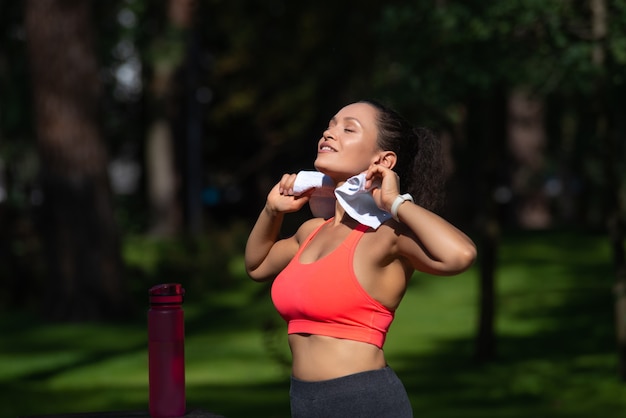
[
  {"x": 307, "y": 229},
  {"x": 390, "y": 242},
  {"x": 404, "y": 237},
  {"x": 393, "y": 231},
  {"x": 383, "y": 241},
  {"x": 379, "y": 262}
]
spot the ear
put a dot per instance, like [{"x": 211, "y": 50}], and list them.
[{"x": 387, "y": 159}]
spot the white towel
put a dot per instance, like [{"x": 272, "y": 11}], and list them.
[
  {"x": 352, "y": 196},
  {"x": 322, "y": 201},
  {"x": 306, "y": 180},
  {"x": 358, "y": 202}
]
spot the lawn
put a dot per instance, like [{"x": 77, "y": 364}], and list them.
[{"x": 556, "y": 350}]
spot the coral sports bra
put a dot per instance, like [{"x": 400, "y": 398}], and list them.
[{"x": 325, "y": 297}]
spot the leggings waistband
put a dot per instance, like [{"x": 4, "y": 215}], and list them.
[
  {"x": 356, "y": 380},
  {"x": 376, "y": 394}
]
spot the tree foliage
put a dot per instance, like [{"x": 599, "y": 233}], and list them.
[{"x": 261, "y": 79}]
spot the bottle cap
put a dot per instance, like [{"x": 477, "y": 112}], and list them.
[{"x": 166, "y": 293}]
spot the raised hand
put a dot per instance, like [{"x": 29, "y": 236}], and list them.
[
  {"x": 281, "y": 198},
  {"x": 385, "y": 183}
]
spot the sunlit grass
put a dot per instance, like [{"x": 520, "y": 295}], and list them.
[{"x": 555, "y": 344}]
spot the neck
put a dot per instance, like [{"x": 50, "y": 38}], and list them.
[{"x": 342, "y": 218}]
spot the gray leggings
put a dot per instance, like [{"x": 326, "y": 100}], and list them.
[{"x": 376, "y": 393}]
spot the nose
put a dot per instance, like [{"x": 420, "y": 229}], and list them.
[{"x": 328, "y": 134}]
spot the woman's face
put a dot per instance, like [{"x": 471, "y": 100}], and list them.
[{"x": 349, "y": 145}]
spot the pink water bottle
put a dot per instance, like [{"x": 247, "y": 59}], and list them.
[{"x": 166, "y": 351}]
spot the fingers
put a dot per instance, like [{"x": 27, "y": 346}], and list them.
[
  {"x": 386, "y": 177},
  {"x": 286, "y": 184},
  {"x": 377, "y": 169},
  {"x": 384, "y": 185},
  {"x": 281, "y": 198}
]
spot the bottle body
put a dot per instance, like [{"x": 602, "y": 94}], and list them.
[{"x": 166, "y": 357}]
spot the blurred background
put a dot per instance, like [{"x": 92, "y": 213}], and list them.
[{"x": 138, "y": 140}]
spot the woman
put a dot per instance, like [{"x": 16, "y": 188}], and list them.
[{"x": 338, "y": 282}]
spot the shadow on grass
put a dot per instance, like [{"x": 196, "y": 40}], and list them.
[
  {"x": 564, "y": 366},
  {"x": 267, "y": 400},
  {"x": 559, "y": 363},
  {"x": 36, "y": 359}
]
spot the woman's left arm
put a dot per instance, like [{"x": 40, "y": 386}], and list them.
[
  {"x": 432, "y": 244},
  {"x": 437, "y": 247}
]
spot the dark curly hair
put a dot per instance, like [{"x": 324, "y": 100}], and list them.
[{"x": 419, "y": 157}]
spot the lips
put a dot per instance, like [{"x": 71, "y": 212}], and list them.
[{"x": 325, "y": 147}]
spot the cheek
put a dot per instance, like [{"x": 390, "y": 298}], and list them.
[{"x": 363, "y": 150}]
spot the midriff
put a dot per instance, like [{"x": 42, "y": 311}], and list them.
[{"x": 317, "y": 357}]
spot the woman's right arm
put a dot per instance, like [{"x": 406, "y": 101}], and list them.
[{"x": 265, "y": 254}]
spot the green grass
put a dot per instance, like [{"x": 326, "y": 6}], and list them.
[{"x": 556, "y": 351}]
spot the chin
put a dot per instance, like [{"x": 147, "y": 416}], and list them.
[
  {"x": 325, "y": 170},
  {"x": 319, "y": 167}
]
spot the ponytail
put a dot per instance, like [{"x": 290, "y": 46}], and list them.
[
  {"x": 424, "y": 176},
  {"x": 419, "y": 157}
]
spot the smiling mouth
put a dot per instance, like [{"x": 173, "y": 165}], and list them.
[{"x": 326, "y": 148}]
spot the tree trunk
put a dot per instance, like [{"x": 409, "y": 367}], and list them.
[
  {"x": 607, "y": 132},
  {"x": 616, "y": 228},
  {"x": 77, "y": 219},
  {"x": 526, "y": 143},
  {"x": 168, "y": 159},
  {"x": 616, "y": 231},
  {"x": 487, "y": 131}
]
